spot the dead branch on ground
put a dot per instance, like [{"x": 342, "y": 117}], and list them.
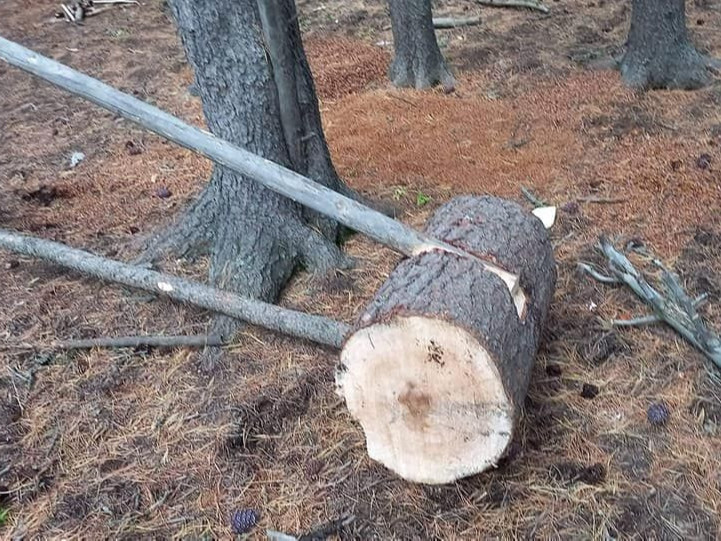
[
  {"x": 670, "y": 303},
  {"x": 529, "y": 4},
  {"x": 310, "y": 327},
  {"x": 440, "y": 23},
  {"x": 141, "y": 341}
]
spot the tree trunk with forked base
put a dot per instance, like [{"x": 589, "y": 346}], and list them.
[
  {"x": 659, "y": 53},
  {"x": 417, "y": 61},
  {"x": 257, "y": 92},
  {"x": 438, "y": 368}
]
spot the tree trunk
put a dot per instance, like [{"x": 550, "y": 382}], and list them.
[
  {"x": 438, "y": 368},
  {"x": 418, "y": 62},
  {"x": 257, "y": 92},
  {"x": 658, "y": 51}
]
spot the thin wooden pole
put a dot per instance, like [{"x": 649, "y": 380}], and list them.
[
  {"x": 316, "y": 328},
  {"x": 305, "y": 191},
  {"x": 140, "y": 341}
]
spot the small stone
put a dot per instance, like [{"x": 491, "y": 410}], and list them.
[
  {"x": 12, "y": 264},
  {"x": 593, "y": 475},
  {"x": 132, "y": 148},
  {"x": 589, "y": 391},
  {"x": 675, "y": 165},
  {"x": 76, "y": 158},
  {"x": 658, "y": 414},
  {"x": 243, "y": 520},
  {"x": 553, "y": 370},
  {"x": 163, "y": 192},
  {"x": 571, "y": 207},
  {"x": 704, "y": 161}
]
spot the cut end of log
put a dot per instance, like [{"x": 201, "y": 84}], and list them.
[{"x": 429, "y": 397}]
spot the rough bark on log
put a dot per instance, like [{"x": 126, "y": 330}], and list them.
[{"x": 438, "y": 367}]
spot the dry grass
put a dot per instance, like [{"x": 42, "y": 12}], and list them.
[{"x": 129, "y": 444}]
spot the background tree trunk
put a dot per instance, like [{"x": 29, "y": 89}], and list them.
[
  {"x": 658, "y": 51},
  {"x": 257, "y": 92},
  {"x": 418, "y": 62}
]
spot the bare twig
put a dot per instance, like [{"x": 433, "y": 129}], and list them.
[
  {"x": 401, "y": 98},
  {"x": 588, "y": 269},
  {"x": 452, "y": 22},
  {"x": 651, "y": 319},
  {"x": 529, "y": 4},
  {"x": 535, "y": 201},
  {"x": 68, "y": 14},
  {"x": 116, "y": 2},
  {"x": 138, "y": 341},
  {"x": 97, "y": 11},
  {"x": 672, "y": 305},
  {"x": 602, "y": 200},
  {"x": 636, "y": 322}
]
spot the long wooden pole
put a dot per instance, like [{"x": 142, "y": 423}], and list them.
[
  {"x": 316, "y": 328},
  {"x": 276, "y": 177}
]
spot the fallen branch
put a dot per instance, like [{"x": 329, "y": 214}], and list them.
[
  {"x": 316, "y": 328},
  {"x": 530, "y": 4},
  {"x": 602, "y": 200},
  {"x": 534, "y": 200},
  {"x": 671, "y": 304},
  {"x": 141, "y": 341},
  {"x": 441, "y": 23},
  {"x": 116, "y": 2}
]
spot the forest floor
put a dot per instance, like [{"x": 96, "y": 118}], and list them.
[{"x": 140, "y": 444}]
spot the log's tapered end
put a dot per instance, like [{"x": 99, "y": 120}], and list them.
[{"x": 428, "y": 396}]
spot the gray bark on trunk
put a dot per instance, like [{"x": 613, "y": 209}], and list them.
[
  {"x": 257, "y": 92},
  {"x": 659, "y": 53},
  {"x": 438, "y": 367},
  {"x": 417, "y": 61}
]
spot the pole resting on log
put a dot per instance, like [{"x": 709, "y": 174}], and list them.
[
  {"x": 437, "y": 368},
  {"x": 305, "y": 191}
]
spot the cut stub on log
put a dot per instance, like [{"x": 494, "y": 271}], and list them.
[{"x": 438, "y": 367}]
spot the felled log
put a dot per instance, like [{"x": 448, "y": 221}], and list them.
[{"x": 437, "y": 369}]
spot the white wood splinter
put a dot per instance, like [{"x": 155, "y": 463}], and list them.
[{"x": 438, "y": 366}]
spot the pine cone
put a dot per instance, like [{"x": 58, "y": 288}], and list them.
[
  {"x": 243, "y": 520},
  {"x": 658, "y": 414}
]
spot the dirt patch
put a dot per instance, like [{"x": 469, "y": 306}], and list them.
[
  {"x": 267, "y": 415},
  {"x": 665, "y": 513},
  {"x": 630, "y": 453},
  {"x": 569, "y": 473},
  {"x": 348, "y": 66}
]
